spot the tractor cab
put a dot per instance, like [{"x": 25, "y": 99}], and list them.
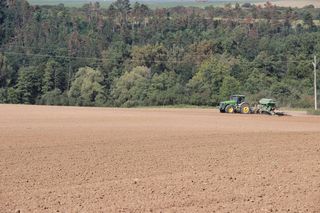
[{"x": 238, "y": 98}]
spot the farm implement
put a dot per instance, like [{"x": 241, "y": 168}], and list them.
[{"x": 238, "y": 104}]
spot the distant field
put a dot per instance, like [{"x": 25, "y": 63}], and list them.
[
  {"x": 296, "y": 3},
  {"x": 153, "y": 5}
]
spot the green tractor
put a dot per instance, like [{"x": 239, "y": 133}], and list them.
[{"x": 236, "y": 104}]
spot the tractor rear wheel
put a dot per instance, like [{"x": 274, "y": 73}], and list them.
[
  {"x": 230, "y": 109},
  {"x": 245, "y": 108}
]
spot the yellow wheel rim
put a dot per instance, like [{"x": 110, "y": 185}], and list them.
[
  {"x": 230, "y": 110},
  {"x": 246, "y": 110}
]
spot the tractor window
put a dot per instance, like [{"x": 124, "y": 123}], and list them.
[
  {"x": 238, "y": 99},
  {"x": 234, "y": 98}
]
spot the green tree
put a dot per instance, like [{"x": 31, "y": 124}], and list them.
[
  {"x": 3, "y": 6},
  {"x": 113, "y": 61},
  {"x": 281, "y": 91},
  {"x": 54, "y": 97},
  {"x": 123, "y": 9},
  {"x": 5, "y": 71},
  {"x": 230, "y": 86},
  {"x": 165, "y": 89},
  {"x": 3, "y": 95},
  {"x": 86, "y": 89},
  {"x": 3, "y": 11},
  {"x": 29, "y": 85},
  {"x": 12, "y": 96},
  {"x": 300, "y": 70},
  {"x": 131, "y": 89},
  {"x": 122, "y": 6},
  {"x": 270, "y": 64},
  {"x": 204, "y": 87},
  {"x": 308, "y": 19},
  {"x": 54, "y": 77},
  {"x": 256, "y": 82},
  {"x": 139, "y": 13},
  {"x": 151, "y": 56}
]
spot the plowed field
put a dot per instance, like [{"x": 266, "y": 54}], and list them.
[{"x": 70, "y": 159}]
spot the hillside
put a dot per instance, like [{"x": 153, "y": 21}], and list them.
[{"x": 131, "y": 55}]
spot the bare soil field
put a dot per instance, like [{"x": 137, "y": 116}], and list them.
[
  {"x": 71, "y": 159},
  {"x": 294, "y": 3}
]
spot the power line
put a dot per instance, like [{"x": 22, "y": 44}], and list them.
[
  {"x": 86, "y": 58},
  {"x": 121, "y": 60},
  {"x": 53, "y": 50},
  {"x": 100, "y": 59},
  {"x": 39, "y": 48},
  {"x": 49, "y": 56}
]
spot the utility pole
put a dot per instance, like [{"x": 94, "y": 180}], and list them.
[{"x": 315, "y": 83}]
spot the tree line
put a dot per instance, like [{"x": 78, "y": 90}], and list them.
[{"x": 129, "y": 55}]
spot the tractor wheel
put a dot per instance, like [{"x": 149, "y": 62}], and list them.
[
  {"x": 245, "y": 108},
  {"x": 229, "y": 109}
]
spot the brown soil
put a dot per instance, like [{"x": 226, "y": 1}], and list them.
[{"x": 69, "y": 159}]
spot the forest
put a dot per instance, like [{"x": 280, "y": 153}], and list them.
[{"x": 129, "y": 55}]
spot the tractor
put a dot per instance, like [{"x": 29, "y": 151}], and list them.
[{"x": 236, "y": 104}]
